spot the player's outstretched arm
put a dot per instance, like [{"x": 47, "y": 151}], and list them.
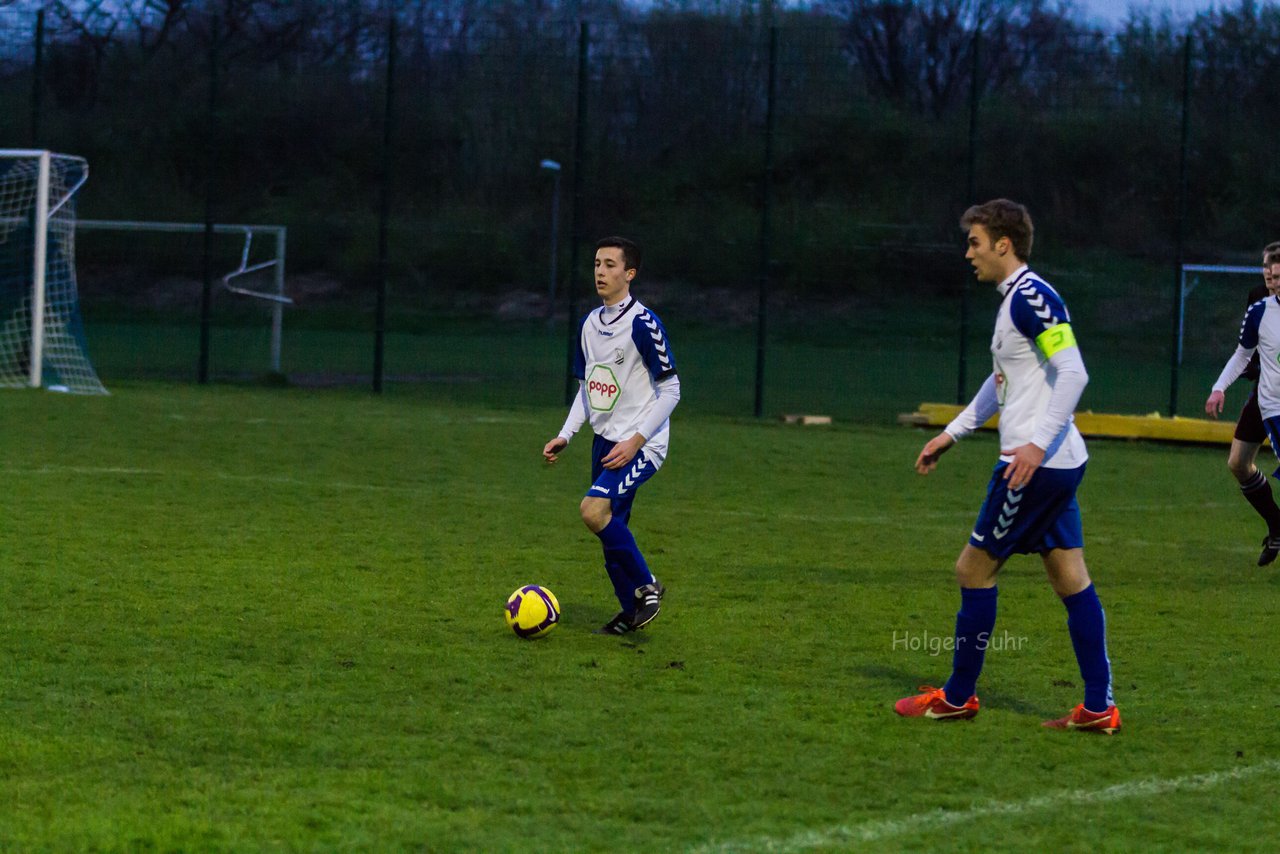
[
  {"x": 1213, "y": 406},
  {"x": 551, "y": 451},
  {"x": 934, "y": 448}
]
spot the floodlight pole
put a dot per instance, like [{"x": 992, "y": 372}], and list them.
[{"x": 553, "y": 167}]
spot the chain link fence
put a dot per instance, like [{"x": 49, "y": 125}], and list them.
[{"x": 796, "y": 186}]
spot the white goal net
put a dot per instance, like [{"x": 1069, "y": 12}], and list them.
[{"x": 42, "y": 339}]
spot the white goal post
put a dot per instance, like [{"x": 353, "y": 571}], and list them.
[
  {"x": 42, "y": 340},
  {"x": 41, "y": 331}
]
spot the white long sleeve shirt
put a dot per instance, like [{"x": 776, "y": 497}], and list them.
[
  {"x": 1260, "y": 332},
  {"x": 627, "y": 377},
  {"x": 1038, "y": 376}
]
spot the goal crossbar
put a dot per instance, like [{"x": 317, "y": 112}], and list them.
[
  {"x": 1189, "y": 282},
  {"x": 276, "y": 263}
]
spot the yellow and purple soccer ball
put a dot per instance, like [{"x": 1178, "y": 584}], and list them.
[{"x": 532, "y": 611}]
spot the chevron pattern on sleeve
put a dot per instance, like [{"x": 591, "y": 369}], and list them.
[
  {"x": 1046, "y": 305},
  {"x": 659, "y": 339}
]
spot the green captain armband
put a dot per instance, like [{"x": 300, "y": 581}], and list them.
[{"x": 1055, "y": 339}]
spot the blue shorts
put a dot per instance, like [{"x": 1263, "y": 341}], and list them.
[
  {"x": 618, "y": 485},
  {"x": 1272, "y": 426},
  {"x": 1040, "y": 516}
]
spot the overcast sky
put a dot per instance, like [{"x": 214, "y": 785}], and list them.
[{"x": 1113, "y": 11}]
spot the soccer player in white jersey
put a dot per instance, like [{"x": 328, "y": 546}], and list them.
[
  {"x": 1249, "y": 432},
  {"x": 1259, "y": 333},
  {"x": 1030, "y": 506},
  {"x": 627, "y": 390}
]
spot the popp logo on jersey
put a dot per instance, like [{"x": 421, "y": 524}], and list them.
[{"x": 602, "y": 388}]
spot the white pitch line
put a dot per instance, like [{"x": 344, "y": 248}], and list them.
[
  {"x": 278, "y": 480},
  {"x": 283, "y": 480},
  {"x": 880, "y": 519},
  {"x": 79, "y": 470},
  {"x": 933, "y": 516},
  {"x": 876, "y": 831}
]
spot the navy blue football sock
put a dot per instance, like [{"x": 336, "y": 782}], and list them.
[
  {"x": 1088, "y": 627},
  {"x": 974, "y": 622},
  {"x": 621, "y": 582},
  {"x": 620, "y": 549}
]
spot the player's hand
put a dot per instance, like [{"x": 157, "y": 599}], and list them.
[
  {"x": 623, "y": 452},
  {"x": 551, "y": 451},
  {"x": 1214, "y": 404},
  {"x": 1026, "y": 459},
  {"x": 934, "y": 448}
]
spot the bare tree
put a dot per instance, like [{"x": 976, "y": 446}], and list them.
[{"x": 919, "y": 53}]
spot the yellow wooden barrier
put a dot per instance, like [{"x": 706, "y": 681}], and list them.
[{"x": 1153, "y": 426}]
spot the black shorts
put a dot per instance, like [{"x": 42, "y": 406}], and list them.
[{"x": 1249, "y": 425}]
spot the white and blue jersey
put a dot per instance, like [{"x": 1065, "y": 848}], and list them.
[
  {"x": 1032, "y": 326},
  {"x": 1260, "y": 334},
  {"x": 1037, "y": 377},
  {"x": 621, "y": 357},
  {"x": 1036, "y": 382}
]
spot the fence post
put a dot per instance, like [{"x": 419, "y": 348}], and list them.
[
  {"x": 575, "y": 240},
  {"x": 384, "y": 210},
  {"x": 1180, "y": 228},
  {"x": 37, "y": 81},
  {"x": 766, "y": 203},
  {"x": 210, "y": 168},
  {"x": 971, "y": 190}
]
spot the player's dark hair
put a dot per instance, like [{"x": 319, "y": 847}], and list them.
[
  {"x": 1273, "y": 246},
  {"x": 630, "y": 250},
  {"x": 1003, "y": 218},
  {"x": 1272, "y": 257}
]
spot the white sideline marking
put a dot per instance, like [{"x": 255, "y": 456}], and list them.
[
  {"x": 875, "y": 831},
  {"x": 254, "y": 478},
  {"x": 968, "y": 514},
  {"x": 879, "y": 519},
  {"x": 281, "y": 480},
  {"x": 286, "y": 480},
  {"x": 79, "y": 470}
]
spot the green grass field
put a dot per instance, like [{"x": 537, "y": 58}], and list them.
[{"x": 250, "y": 619}]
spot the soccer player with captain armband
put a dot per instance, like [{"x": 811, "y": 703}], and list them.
[{"x": 1030, "y": 505}]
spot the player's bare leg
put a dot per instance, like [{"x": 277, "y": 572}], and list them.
[{"x": 1067, "y": 572}]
